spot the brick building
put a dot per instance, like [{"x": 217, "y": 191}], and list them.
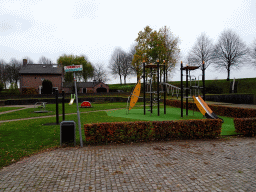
[
  {"x": 86, "y": 87},
  {"x": 32, "y": 76}
]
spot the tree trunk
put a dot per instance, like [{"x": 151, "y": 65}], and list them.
[
  {"x": 228, "y": 73},
  {"x": 120, "y": 79},
  {"x": 125, "y": 80},
  {"x": 138, "y": 77}
]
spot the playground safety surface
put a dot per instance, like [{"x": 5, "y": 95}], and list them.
[{"x": 224, "y": 164}]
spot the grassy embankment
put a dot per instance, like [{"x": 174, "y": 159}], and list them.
[{"x": 245, "y": 85}]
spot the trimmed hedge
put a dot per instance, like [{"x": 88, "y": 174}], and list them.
[
  {"x": 123, "y": 132},
  {"x": 245, "y": 126},
  {"x": 244, "y": 118},
  {"x": 219, "y": 110}
]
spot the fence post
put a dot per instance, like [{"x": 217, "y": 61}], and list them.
[
  {"x": 63, "y": 105},
  {"x": 57, "y": 107}
]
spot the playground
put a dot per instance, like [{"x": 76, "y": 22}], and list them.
[
  {"x": 37, "y": 131},
  {"x": 34, "y": 148},
  {"x": 32, "y": 136}
]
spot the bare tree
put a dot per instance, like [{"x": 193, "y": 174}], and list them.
[
  {"x": 253, "y": 52},
  {"x": 115, "y": 63},
  {"x": 13, "y": 70},
  {"x": 126, "y": 65},
  {"x": 100, "y": 74},
  {"x": 3, "y": 72},
  {"x": 132, "y": 52},
  {"x": 29, "y": 61},
  {"x": 229, "y": 52},
  {"x": 201, "y": 51},
  {"x": 44, "y": 60}
]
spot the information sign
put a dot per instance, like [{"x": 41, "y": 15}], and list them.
[{"x": 73, "y": 68}]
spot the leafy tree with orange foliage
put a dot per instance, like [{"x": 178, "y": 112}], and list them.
[{"x": 154, "y": 45}]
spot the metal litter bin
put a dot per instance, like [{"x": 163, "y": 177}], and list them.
[{"x": 67, "y": 132}]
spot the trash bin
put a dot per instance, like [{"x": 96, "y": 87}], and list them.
[{"x": 67, "y": 132}]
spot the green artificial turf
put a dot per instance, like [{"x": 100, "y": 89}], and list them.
[{"x": 172, "y": 113}]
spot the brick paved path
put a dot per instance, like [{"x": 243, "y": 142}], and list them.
[{"x": 211, "y": 165}]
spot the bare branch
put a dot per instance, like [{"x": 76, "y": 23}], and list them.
[
  {"x": 230, "y": 52},
  {"x": 100, "y": 74},
  {"x": 44, "y": 60},
  {"x": 253, "y": 52},
  {"x": 201, "y": 51}
]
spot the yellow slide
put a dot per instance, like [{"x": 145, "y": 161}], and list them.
[
  {"x": 204, "y": 108},
  {"x": 135, "y": 95}
]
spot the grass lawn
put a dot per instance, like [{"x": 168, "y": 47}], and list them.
[
  {"x": 52, "y": 108},
  {"x": 24, "y": 138},
  {"x": 3, "y": 109}
]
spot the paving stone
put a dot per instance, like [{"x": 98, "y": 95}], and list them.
[{"x": 194, "y": 165}]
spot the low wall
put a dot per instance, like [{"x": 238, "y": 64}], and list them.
[
  {"x": 232, "y": 98},
  {"x": 52, "y": 101},
  {"x": 6, "y": 96}
]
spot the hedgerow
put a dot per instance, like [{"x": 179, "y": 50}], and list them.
[
  {"x": 123, "y": 132},
  {"x": 244, "y": 118}
]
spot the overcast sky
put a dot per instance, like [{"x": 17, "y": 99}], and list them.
[{"x": 51, "y": 28}]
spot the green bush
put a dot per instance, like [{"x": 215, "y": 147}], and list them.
[
  {"x": 47, "y": 87},
  {"x": 13, "y": 89}
]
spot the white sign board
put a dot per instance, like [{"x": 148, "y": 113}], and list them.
[{"x": 73, "y": 68}]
